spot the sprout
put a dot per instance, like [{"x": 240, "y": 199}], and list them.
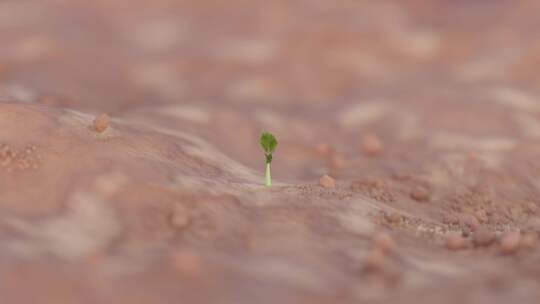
[{"x": 269, "y": 144}]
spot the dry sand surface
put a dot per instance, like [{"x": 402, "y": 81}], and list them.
[{"x": 407, "y": 169}]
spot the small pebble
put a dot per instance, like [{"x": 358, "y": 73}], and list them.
[
  {"x": 101, "y": 123},
  {"x": 420, "y": 194},
  {"x": 372, "y": 145},
  {"x": 393, "y": 217},
  {"x": 375, "y": 260},
  {"x": 510, "y": 242},
  {"x": 384, "y": 242},
  {"x": 455, "y": 241},
  {"x": 483, "y": 237},
  {"x": 327, "y": 182},
  {"x": 322, "y": 149},
  {"x": 400, "y": 176},
  {"x": 472, "y": 156},
  {"x": 180, "y": 217}
]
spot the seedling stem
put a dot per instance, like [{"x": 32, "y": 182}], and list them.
[{"x": 268, "y": 176}]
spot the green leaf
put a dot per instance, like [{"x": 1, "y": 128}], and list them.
[{"x": 268, "y": 143}]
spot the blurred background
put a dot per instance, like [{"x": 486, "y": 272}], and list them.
[{"x": 314, "y": 72}]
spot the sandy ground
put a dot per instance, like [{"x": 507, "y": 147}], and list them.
[{"x": 424, "y": 114}]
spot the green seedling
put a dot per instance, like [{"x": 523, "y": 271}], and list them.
[{"x": 269, "y": 144}]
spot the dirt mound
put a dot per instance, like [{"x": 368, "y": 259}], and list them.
[{"x": 135, "y": 204}]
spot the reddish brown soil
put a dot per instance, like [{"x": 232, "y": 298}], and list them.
[{"x": 424, "y": 113}]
